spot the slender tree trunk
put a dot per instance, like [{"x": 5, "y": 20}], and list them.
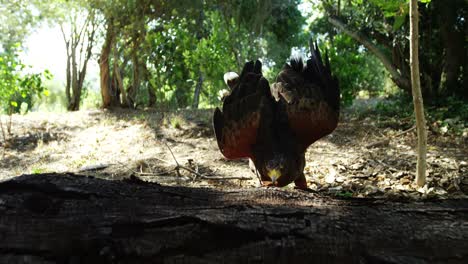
[
  {"x": 198, "y": 88},
  {"x": 69, "y": 48},
  {"x": 118, "y": 79},
  {"x": 78, "y": 55},
  {"x": 135, "y": 86},
  {"x": 87, "y": 55},
  {"x": 75, "y": 100},
  {"x": 417, "y": 96},
  {"x": 150, "y": 86},
  {"x": 68, "y": 81}
]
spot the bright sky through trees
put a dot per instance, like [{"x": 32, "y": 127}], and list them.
[{"x": 45, "y": 49}]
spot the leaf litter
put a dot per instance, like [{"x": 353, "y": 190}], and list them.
[{"x": 364, "y": 157}]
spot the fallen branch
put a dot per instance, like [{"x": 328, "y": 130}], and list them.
[{"x": 60, "y": 218}]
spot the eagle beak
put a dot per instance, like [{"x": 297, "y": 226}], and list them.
[{"x": 274, "y": 175}]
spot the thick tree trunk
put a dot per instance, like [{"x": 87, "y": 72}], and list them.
[
  {"x": 108, "y": 93},
  {"x": 73, "y": 219},
  {"x": 453, "y": 40},
  {"x": 417, "y": 96}
]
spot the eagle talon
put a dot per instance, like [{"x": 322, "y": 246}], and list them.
[{"x": 301, "y": 183}]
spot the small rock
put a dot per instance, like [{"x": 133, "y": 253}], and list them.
[
  {"x": 335, "y": 189},
  {"x": 357, "y": 166},
  {"x": 340, "y": 179},
  {"x": 330, "y": 178}
]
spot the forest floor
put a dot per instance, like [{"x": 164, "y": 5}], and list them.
[{"x": 367, "y": 156}]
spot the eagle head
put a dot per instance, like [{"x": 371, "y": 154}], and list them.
[{"x": 282, "y": 169}]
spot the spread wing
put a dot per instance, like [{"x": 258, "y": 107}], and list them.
[
  {"x": 310, "y": 97},
  {"x": 248, "y": 107}
]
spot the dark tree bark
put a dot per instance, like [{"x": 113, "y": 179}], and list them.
[
  {"x": 454, "y": 42},
  {"x": 109, "y": 92},
  {"x": 67, "y": 218}
]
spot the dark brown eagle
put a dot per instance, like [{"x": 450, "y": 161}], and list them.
[{"x": 274, "y": 126}]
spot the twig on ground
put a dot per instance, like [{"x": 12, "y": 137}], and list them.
[
  {"x": 178, "y": 166},
  {"x": 225, "y": 178},
  {"x": 94, "y": 167},
  {"x": 177, "y": 163},
  {"x": 128, "y": 168},
  {"x": 199, "y": 175},
  {"x": 386, "y": 141}
]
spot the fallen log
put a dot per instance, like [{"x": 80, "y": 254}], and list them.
[{"x": 68, "y": 218}]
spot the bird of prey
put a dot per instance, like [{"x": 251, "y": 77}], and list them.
[{"x": 274, "y": 125}]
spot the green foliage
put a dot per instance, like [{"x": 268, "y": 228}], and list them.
[
  {"x": 449, "y": 108},
  {"x": 399, "y": 105},
  {"x": 38, "y": 170},
  {"x": 383, "y": 25},
  {"x": 355, "y": 68},
  {"x": 182, "y": 50},
  {"x": 449, "y": 114},
  {"x": 344, "y": 194},
  {"x": 17, "y": 86}
]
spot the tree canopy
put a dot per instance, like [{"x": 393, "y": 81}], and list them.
[{"x": 172, "y": 54}]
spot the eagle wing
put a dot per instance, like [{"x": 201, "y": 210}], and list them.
[
  {"x": 310, "y": 96},
  {"x": 245, "y": 110}
]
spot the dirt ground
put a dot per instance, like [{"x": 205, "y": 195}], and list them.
[{"x": 367, "y": 155}]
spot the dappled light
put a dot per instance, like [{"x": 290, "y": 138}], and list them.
[{"x": 233, "y": 131}]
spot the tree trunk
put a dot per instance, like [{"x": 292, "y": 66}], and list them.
[
  {"x": 118, "y": 79},
  {"x": 198, "y": 88},
  {"x": 453, "y": 41},
  {"x": 109, "y": 98},
  {"x": 78, "y": 56},
  {"x": 72, "y": 219},
  {"x": 400, "y": 80},
  {"x": 68, "y": 74},
  {"x": 149, "y": 85},
  {"x": 74, "y": 103},
  {"x": 135, "y": 86},
  {"x": 417, "y": 96}
]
